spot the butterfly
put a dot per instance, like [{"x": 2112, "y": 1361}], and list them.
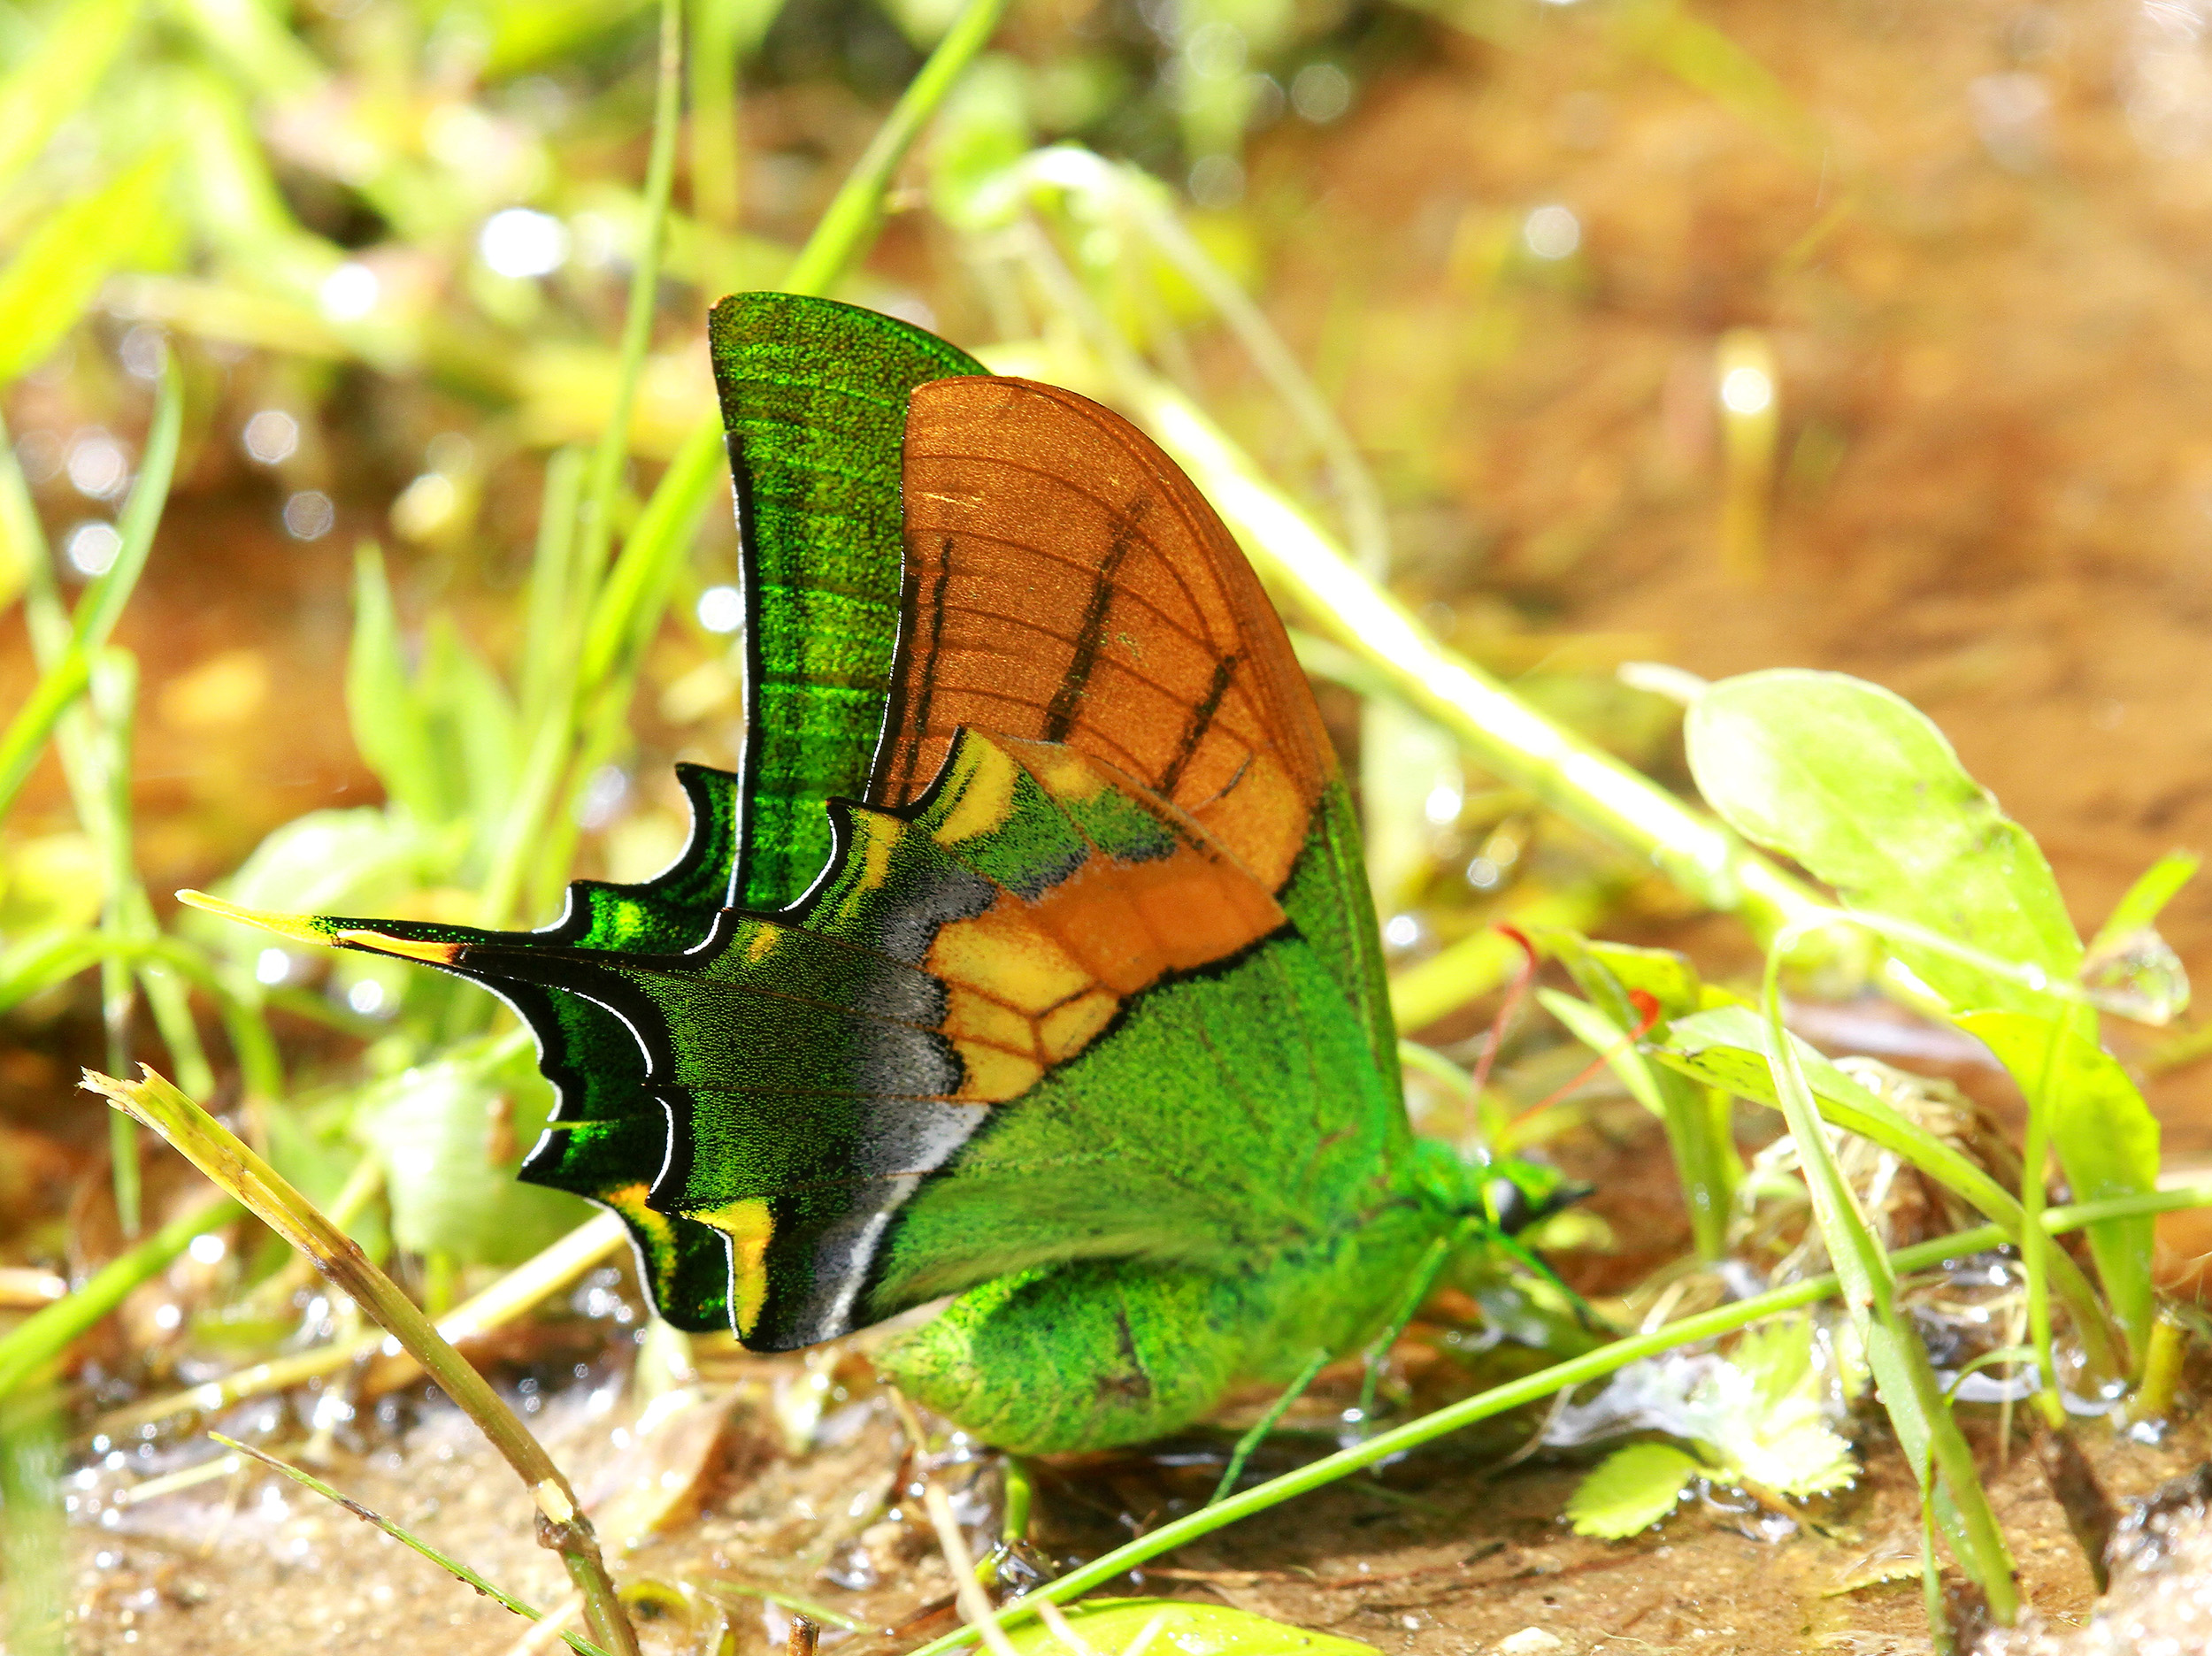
[{"x": 1028, "y": 959}]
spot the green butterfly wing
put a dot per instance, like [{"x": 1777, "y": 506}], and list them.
[{"x": 1091, "y": 972}]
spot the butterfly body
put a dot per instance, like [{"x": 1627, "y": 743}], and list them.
[{"x": 1030, "y": 958}]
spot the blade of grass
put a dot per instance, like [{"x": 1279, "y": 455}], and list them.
[
  {"x": 47, "y": 1334},
  {"x": 551, "y": 757},
  {"x": 216, "y": 1151},
  {"x": 1727, "y": 1047},
  {"x": 603, "y": 476},
  {"x": 452, "y": 1567},
  {"x": 552, "y": 573},
  {"x": 34, "y": 723},
  {"x": 56, "y": 639},
  {"x": 1904, "y": 1379},
  {"x": 114, "y": 696},
  {"x": 1534, "y": 1388}
]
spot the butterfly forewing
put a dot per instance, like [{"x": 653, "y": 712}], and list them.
[{"x": 1065, "y": 582}]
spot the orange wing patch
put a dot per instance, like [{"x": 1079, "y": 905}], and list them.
[
  {"x": 1032, "y": 980},
  {"x": 1065, "y": 583}
]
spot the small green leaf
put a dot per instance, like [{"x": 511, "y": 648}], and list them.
[
  {"x": 438, "y": 1129},
  {"x": 1109, "y": 1626},
  {"x": 1769, "y": 1412},
  {"x": 1631, "y": 1489},
  {"x": 1862, "y": 789},
  {"x": 2106, "y": 1137}
]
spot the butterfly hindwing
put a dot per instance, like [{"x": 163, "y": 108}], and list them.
[{"x": 824, "y": 1065}]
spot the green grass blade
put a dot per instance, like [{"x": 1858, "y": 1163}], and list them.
[
  {"x": 2157, "y": 887},
  {"x": 101, "y": 605},
  {"x": 855, "y": 213},
  {"x": 1904, "y": 1379},
  {"x": 612, "y": 453},
  {"x": 548, "y": 612},
  {"x": 1704, "y": 1158},
  {"x": 452, "y": 1567},
  {"x": 1727, "y": 1047},
  {"x": 34, "y": 1560},
  {"x": 382, "y": 703},
  {"x": 2106, "y": 1137},
  {"x": 27, "y": 734}
]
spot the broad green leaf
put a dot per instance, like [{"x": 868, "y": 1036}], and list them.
[
  {"x": 52, "y": 278},
  {"x": 1111, "y": 1626},
  {"x": 1861, "y": 788},
  {"x": 477, "y": 736},
  {"x": 1631, "y": 1489},
  {"x": 2106, "y": 1137},
  {"x": 448, "y": 1134},
  {"x": 53, "y": 81}
]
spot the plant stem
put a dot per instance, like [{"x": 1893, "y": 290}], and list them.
[
  {"x": 453, "y": 1567},
  {"x": 49, "y": 1333},
  {"x": 219, "y": 1152},
  {"x": 613, "y": 450},
  {"x": 1533, "y": 1389},
  {"x": 1904, "y": 1377},
  {"x": 849, "y": 225}
]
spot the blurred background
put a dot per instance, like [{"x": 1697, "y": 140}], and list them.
[{"x": 1606, "y": 332}]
